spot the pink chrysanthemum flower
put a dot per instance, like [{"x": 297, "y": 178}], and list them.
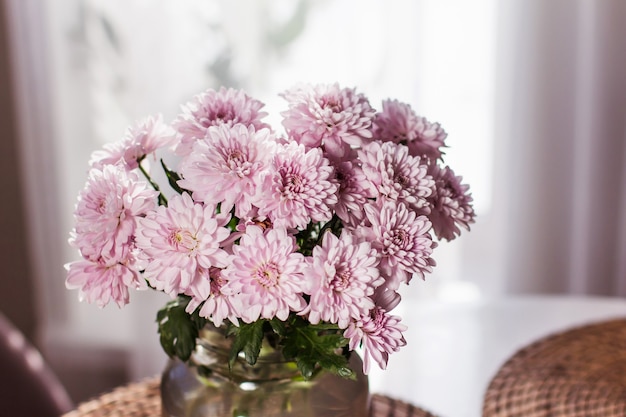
[
  {"x": 110, "y": 154},
  {"x": 103, "y": 281},
  {"x": 451, "y": 204},
  {"x": 399, "y": 123},
  {"x": 226, "y": 167},
  {"x": 265, "y": 275},
  {"x": 343, "y": 275},
  {"x": 353, "y": 192},
  {"x": 207, "y": 291},
  {"x": 395, "y": 175},
  {"x": 328, "y": 116},
  {"x": 298, "y": 188},
  {"x": 107, "y": 211},
  {"x": 140, "y": 140},
  {"x": 379, "y": 333},
  {"x": 177, "y": 240},
  {"x": 386, "y": 298},
  {"x": 402, "y": 240},
  {"x": 214, "y": 108}
]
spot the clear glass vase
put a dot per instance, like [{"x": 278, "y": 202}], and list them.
[{"x": 272, "y": 387}]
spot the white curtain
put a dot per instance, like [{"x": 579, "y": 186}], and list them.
[{"x": 561, "y": 135}]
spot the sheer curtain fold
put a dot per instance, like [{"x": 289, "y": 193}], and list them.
[{"x": 564, "y": 113}]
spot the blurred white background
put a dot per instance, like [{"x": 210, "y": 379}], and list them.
[{"x": 531, "y": 93}]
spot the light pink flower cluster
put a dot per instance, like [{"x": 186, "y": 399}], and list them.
[
  {"x": 106, "y": 219},
  {"x": 399, "y": 123},
  {"x": 326, "y": 223},
  {"x": 140, "y": 140},
  {"x": 329, "y": 117},
  {"x": 215, "y": 108}
]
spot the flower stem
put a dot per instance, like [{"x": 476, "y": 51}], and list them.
[
  {"x": 334, "y": 225},
  {"x": 162, "y": 199}
]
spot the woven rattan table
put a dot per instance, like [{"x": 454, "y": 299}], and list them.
[
  {"x": 142, "y": 399},
  {"x": 579, "y": 372}
]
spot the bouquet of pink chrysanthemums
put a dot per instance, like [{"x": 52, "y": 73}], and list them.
[{"x": 304, "y": 236}]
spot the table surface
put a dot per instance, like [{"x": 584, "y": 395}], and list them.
[
  {"x": 454, "y": 349},
  {"x": 142, "y": 399}
]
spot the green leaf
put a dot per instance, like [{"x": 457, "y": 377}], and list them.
[
  {"x": 173, "y": 178},
  {"x": 315, "y": 347},
  {"x": 248, "y": 338},
  {"x": 178, "y": 330},
  {"x": 278, "y": 326},
  {"x": 306, "y": 366},
  {"x": 306, "y": 240}
]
